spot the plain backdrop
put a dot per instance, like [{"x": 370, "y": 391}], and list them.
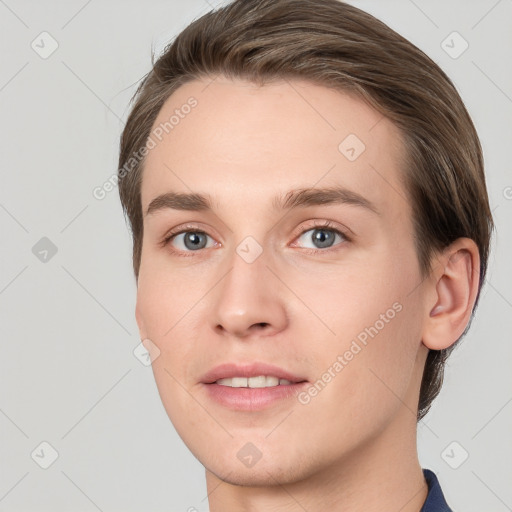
[{"x": 69, "y": 376}]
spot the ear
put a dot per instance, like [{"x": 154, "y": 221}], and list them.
[
  {"x": 140, "y": 322},
  {"x": 454, "y": 282}
]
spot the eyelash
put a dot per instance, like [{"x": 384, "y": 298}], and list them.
[{"x": 327, "y": 226}]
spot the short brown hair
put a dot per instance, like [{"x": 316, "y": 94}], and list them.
[{"x": 331, "y": 43}]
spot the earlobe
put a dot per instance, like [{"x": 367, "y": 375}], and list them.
[{"x": 455, "y": 287}]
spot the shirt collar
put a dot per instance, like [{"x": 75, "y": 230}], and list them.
[{"x": 435, "y": 501}]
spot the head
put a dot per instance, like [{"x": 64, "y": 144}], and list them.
[{"x": 267, "y": 96}]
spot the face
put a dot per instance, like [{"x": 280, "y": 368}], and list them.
[{"x": 259, "y": 284}]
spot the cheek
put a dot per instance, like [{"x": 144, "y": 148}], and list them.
[
  {"x": 164, "y": 295},
  {"x": 375, "y": 326},
  {"x": 166, "y": 307},
  {"x": 370, "y": 384},
  {"x": 348, "y": 300}
]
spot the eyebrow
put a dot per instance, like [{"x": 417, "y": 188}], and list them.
[{"x": 298, "y": 198}]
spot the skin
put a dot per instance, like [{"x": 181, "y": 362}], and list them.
[{"x": 353, "y": 446}]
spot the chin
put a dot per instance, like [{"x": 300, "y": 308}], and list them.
[
  {"x": 279, "y": 463},
  {"x": 262, "y": 474}
]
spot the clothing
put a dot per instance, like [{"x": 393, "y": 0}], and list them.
[{"x": 435, "y": 501}]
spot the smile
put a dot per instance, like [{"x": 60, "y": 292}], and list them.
[{"x": 261, "y": 381}]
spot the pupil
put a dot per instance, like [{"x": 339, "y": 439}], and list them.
[
  {"x": 323, "y": 237},
  {"x": 193, "y": 240}
]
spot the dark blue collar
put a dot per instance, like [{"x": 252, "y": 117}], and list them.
[{"x": 435, "y": 501}]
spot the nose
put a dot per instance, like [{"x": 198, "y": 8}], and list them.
[{"x": 249, "y": 300}]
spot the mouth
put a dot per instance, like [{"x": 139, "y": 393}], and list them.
[
  {"x": 260, "y": 381},
  {"x": 251, "y": 387}
]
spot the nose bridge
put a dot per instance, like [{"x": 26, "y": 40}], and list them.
[{"x": 248, "y": 298}]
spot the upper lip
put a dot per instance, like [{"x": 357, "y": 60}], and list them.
[{"x": 229, "y": 370}]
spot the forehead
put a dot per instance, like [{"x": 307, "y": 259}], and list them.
[{"x": 242, "y": 143}]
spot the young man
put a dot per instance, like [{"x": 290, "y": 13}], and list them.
[{"x": 311, "y": 232}]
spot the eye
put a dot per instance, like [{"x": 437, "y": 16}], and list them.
[
  {"x": 188, "y": 241},
  {"x": 322, "y": 236}
]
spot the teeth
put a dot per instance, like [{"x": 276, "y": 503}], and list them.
[
  {"x": 239, "y": 382},
  {"x": 261, "y": 381}
]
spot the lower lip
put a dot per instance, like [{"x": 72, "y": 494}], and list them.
[{"x": 252, "y": 399}]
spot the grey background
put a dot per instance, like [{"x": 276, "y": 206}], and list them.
[{"x": 67, "y": 328}]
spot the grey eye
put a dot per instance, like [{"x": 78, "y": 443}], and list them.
[
  {"x": 321, "y": 237},
  {"x": 191, "y": 240}
]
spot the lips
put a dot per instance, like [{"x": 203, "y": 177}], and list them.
[
  {"x": 231, "y": 370},
  {"x": 228, "y": 385}
]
